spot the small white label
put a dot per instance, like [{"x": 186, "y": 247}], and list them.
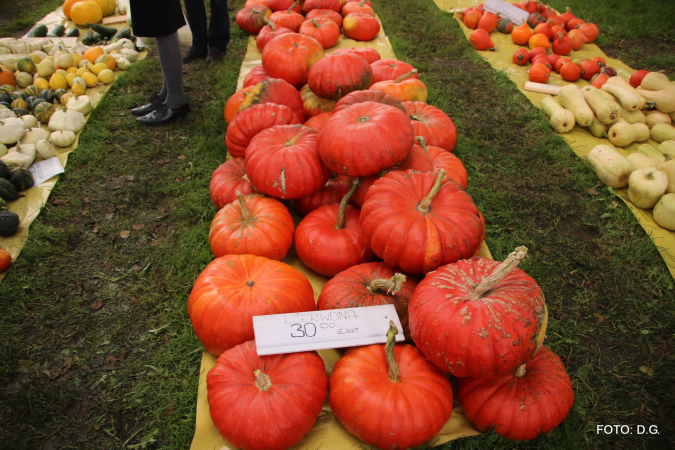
[
  {"x": 320, "y": 330},
  {"x": 513, "y": 13},
  {"x": 46, "y": 169}
]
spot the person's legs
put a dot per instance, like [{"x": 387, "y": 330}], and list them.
[
  {"x": 219, "y": 29},
  {"x": 196, "y": 15}
]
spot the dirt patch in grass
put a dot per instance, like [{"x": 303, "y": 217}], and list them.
[{"x": 648, "y": 53}]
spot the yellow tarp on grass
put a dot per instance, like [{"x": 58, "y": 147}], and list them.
[{"x": 579, "y": 139}]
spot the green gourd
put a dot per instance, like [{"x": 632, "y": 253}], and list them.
[{"x": 9, "y": 223}]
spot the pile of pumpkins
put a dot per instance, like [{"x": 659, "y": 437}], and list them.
[{"x": 387, "y": 217}]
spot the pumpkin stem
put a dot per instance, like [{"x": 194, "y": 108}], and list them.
[
  {"x": 291, "y": 8},
  {"x": 245, "y": 213},
  {"x": 270, "y": 23},
  {"x": 406, "y": 75},
  {"x": 262, "y": 380},
  {"x": 343, "y": 203},
  {"x": 425, "y": 205},
  {"x": 362, "y": 2},
  {"x": 316, "y": 24},
  {"x": 423, "y": 142},
  {"x": 392, "y": 285},
  {"x": 649, "y": 175},
  {"x": 520, "y": 371},
  {"x": 510, "y": 263},
  {"x": 394, "y": 371}
]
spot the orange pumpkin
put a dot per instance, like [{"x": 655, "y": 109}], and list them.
[
  {"x": 404, "y": 88},
  {"x": 488, "y": 22},
  {"x": 559, "y": 63},
  {"x": 599, "y": 79},
  {"x": 590, "y": 30},
  {"x": 521, "y": 57},
  {"x": 92, "y": 54},
  {"x": 85, "y": 12},
  {"x": 570, "y": 72},
  {"x": 234, "y": 102},
  {"x": 539, "y": 40},
  {"x": 578, "y": 38},
  {"x": 472, "y": 18},
  {"x": 539, "y": 73},
  {"x": 521, "y": 35},
  {"x": 67, "y": 5},
  {"x": 6, "y": 77},
  {"x": 544, "y": 28},
  {"x": 480, "y": 40},
  {"x": 5, "y": 260}
]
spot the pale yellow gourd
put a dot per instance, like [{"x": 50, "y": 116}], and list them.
[
  {"x": 668, "y": 167},
  {"x": 598, "y": 129},
  {"x": 612, "y": 167},
  {"x": 62, "y": 138},
  {"x": 664, "y": 100},
  {"x": 662, "y": 132},
  {"x": 626, "y": 98},
  {"x": 621, "y": 82},
  {"x": 640, "y": 161},
  {"x": 607, "y": 112},
  {"x": 560, "y": 119},
  {"x": 656, "y": 81},
  {"x": 646, "y": 186},
  {"x": 651, "y": 152},
  {"x": 664, "y": 212},
  {"x": 33, "y": 135},
  {"x": 571, "y": 98},
  {"x": 45, "y": 149},
  {"x": 667, "y": 148},
  {"x": 655, "y": 116},
  {"x": 636, "y": 116},
  {"x": 604, "y": 95},
  {"x": 623, "y": 134}
]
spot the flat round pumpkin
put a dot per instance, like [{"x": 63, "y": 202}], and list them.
[
  {"x": 432, "y": 124},
  {"x": 227, "y": 179},
  {"x": 272, "y": 90},
  {"x": 390, "y": 69},
  {"x": 290, "y": 56},
  {"x": 251, "y": 121},
  {"x": 335, "y": 76}
]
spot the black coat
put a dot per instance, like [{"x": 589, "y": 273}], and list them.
[{"x": 151, "y": 18}]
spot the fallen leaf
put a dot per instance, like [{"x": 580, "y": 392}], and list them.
[
  {"x": 138, "y": 226},
  {"x": 96, "y": 305},
  {"x": 599, "y": 317},
  {"x": 613, "y": 204},
  {"x": 647, "y": 370},
  {"x": 136, "y": 267},
  {"x": 181, "y": 156},
  {"x": 96, "y": 427},
  {"x": 110, "y": 361},
  {"x": 109, "y": 216},
  {"x": 125, "y": 234},
  {"x": 129, "y": 177},
  {"x": 592, "y": 191},
  {"x": 68, "y": 363},
  {"x": 133, "y": 300}
]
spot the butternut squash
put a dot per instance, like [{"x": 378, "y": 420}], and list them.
[
  {"x": 664, "y": 212},
  {"x": 662, "y": 132},
  {"x": 605, "y": 95},
  {"x": 621, "y": 82},
  {"x": 641, "y": 161},
  {"x": 646, "y": 186},
  {"x": 607, "y": 112},
  {"x": 623, "y": 134},
  {"x": 668, "y": 167},
  {"x": 626, "y": 98},
  {"x": 654, "y": 117},
  {"x": 612, "y": 167},
  {"x": 664, "y": 100},
  {"x": 656, "y": 81},
  {"x": 560, "y": 119},
  {"x": 571, "y": 98},
  {"x": 598, "y": 129},
  {"x": 636, "y": 116},
  {"x": 667, "y": 148},
  {"x": 651, "y": 152}
]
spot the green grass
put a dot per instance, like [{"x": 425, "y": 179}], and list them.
[{"x": 28, "y": 13}]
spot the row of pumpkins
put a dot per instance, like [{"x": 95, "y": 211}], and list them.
[{"x": 390, "y": 154}]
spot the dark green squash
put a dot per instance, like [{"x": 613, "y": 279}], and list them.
[
  {"x": 17, "y": 94},
  {"x": 7, "y": 191},
  {"x": 57, "y": 31},
  {"x": 43, "y": 111},
  {"x": 38, "y": 31},
  {"x": 19, "y": 103},
  {"x": 88, "y": 38},
  {"x": 6, "y": 105},
  {"x": 73, "y": 32},
  {"x": 21, "y": 178},
  {"x": 32, "y": 90},
  {"x": 7, "y": 89},
  {"x": 30, "y": 102},
  {"x": 5, "y": 98},
  {"x": 57, "y": 95},
  {"x": 21, "y": 111},
  {"x": 504, "y": 25},
  {"x": 4, "y": 170},
  {"x": 48, "y": 95},
  {"x": 9, "y": 223},
  {"x": 36, "y": 102}
]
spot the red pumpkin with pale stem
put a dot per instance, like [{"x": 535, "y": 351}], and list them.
[
  {"x": 390, "y": 69},
  {"x": 274, "y": 90},
  {"x": 420, "y": 221},
  {"x": 360, "y": 27},
  {"x": 244, "y": 388},
  {"x": 335, "y": 76},
  {"x": 567, "y": 16},
  {"x": 390, "y": 395},
  {"x": 269, "y": 32},
  {"x": 285, "y": 5},
  {"x": 357, "y": 7},
  {"x": 369, "y": 54},
  {"x": 251, "y": 121},
  {"x": 432, "y": 124},
  {"x": 227, "y": 180},
  {"x": 578, "y": 38},
  {"x": 332, "y": 192},
  {"x": 317, "y": 122},
  {"x": 478, "y": 317},
  {"x": 283, "y": 162},
  {"x": 365, "y": 138},
  {"x": 562, "y": 45},
  {"x": 234, "y": 102},
  {"x": 290, "y": 56},
  {"x": 405, "y": 88},
  {"x": 287, "y": 19},
  {"x": 252, "y": 18},
  {"x": 253, "y": 225},
  {"x": 325, "y": 31},
  {"x": 570, "y": 72},
  {"x": 444, "y": 160},
  {"x": 313, "y": 104},
  {"x": 234, "y": 288},
  {"x": 367, "y": 96},
  {"x": 325, "y": 13},
  {"x": 255, "y": 76},
  {"x": 330, "y": 239},
  {"x": 520, "y": 406}
]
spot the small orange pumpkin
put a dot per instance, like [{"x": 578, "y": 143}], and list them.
[
  {"x": 539, "y": 40},
  {"x": 85, "y": 12},
  {"x": 570, "y": 72},
  {"x": 536, "y": 52},
  {"x": 600, "y": 61},
  {"x": 472, "y": 18},
  {"x": 480, "y": 40},
  {"x": 539, "y": 73},
  {"x": 588, "y": 69},
  {"x": 521, "y": 57},
  {"x": 545, "y": 29},
  {"x": 578, "y": 38},
  {"x": 5, "y": 260},
  {"x": 92, "y": 54},
  {"x": 404, "y": 88},
  {"x": 574, "y": 23},
  {"x": 590, "y": 30},
  {"x": 599, "y": 79},
  {"x": 488, "y": 22},
  {"x": 521, "y": 35},
  {"x": 6, "y": 77},
  {"x": 67, "y": 6},
  {"x": 559, "y": 63}
]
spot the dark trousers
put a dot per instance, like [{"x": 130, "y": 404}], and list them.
[{"x": 218, "y": 34}]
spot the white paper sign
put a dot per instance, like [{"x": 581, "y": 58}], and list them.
[
  {"x": 513, "y": 13},
  {"x": 46, "y": 169},
  {"x": 320, "y": 330}
]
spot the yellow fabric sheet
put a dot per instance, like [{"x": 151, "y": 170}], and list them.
[
  {"x": 579, "y": 139},
  {"x": 328, "y": 433},
  {"x": 36, "y": 197}
]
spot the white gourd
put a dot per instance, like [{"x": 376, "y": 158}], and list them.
[
  {"x": 33, "y": 135},
  {"x": 81, "y": 103},
  {"x": 62, "y": 138},
  {"x": 30, "y": 121},
  {"x": 45, "y": 149},
  {"x": 646, "y": 186},
  {"x": 66, "y": 120},
  {"x": 17, "y": 159},
  {"x": 3, "y": 149},
  {"x": 12, "y": 130}
]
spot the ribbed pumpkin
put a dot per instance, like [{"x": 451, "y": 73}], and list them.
[
  {"x": 369, "y": 284},
  {"x": 67, "y": 5},
  {"x": 432, "y": 124},
  {"x": 251, "y": 121},
  {"x": 253, "y": 225},
  {"x": 313, "y": 104},
  {"x": 420, "y": 221},
  {"x": 335, "y": 188},
  {"x": 360, "y": 27},
  {"x": 444, "y": 160},
  {"x": 255, "y": 76},
  {"x": 520, "y": 406},
  {"x": 333, "y": 5},
  {"x": 478, "y": 317},
  {"x": 107, "y": 6},
  {"x": 330, "y": 239},
  {"x": 273, "y": 90},
  {"x": 326, "y": 13},
  {"x": 228, "y": 179},
  {"x": 234, "y": 288},
  {"x": 290, "y": 56},
  {"x": 317, "y": 122},
  {"x": 390, "y": 69},
  {"x": 85, "y": 12},
  {"x": 234, "y": 103},
  {"x": 285, "y": 5},
  {"x": 325, "y": 31},
  {"x": 365, "y": 138},
  {"x": 405, "y": 88},
  {"x": 43, "y": 112},
  {"x": 265, "y": 402},
  {"x": 368, "y": 53},
  {"x": 283, "y": 162},
  {"x": 253, "y": 18},
  {"x": 367, "y": 96},
  {"x": 335, "y": 76},
  {"x": 269, "y": 32},
  {"x": 288, "y": 19}
]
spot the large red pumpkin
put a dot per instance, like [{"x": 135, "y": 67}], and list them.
[
  {"x": 251, "y": 121},
  {"x": 360, "y": 26},
  {"x": 269, "y": 32},
  {"x": 432, "y": 124},
  {"x": 287, "y": 19},
  {"x": 420, "y": 221},
  {"x": 274, "y": 90},
  {"x": 365, "y": 138},
  {"x": 265, "y": 402},
  {"x": 478, "y": 317},
  {"x": 389, "y": 396},
  {"x": 285, "y": 5},
  {"x": 405, "y": 88},
  {"x": 255, "y": 76},
  {"x": 234, "y": 102},
  {"x": 335, "y": 76},
  {"x": 317, "y": 122},
  {"x": 521, "y": 405},
  {"x": 283, "y": 162},
  {"x": 390, "y": 69},
  {"x": 369, "y": 284},
  {"x": 290, "y": 56},
  {"x": 234, "y": 288},
  {"x": 443, "y": 160},
  {"x": 367, "y": 96},
  {"x": 333, "y": 5},
  {"x": 327, "y": 13},
  {"x": 227, "y": 179},
  {"x": 324, "y": 30},
  {"x": 313, "y": 104},
  {"x": 368, "y": 53},
  {"x": 252, "y": 18},
  {"x": 254, "y": 225},
  {"x": 357, "y": 7},
  {"x": 335, "y": 188}
]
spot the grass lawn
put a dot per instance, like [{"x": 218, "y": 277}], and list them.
[{"x": 97, "y": 348}]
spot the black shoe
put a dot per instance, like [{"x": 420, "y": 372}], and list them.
[
  {"x": 194, "y": 53},
  {"x": 215, "y": 54},
  {"x": 163, "y": 115},
  {"x": 154, "y": 101}
]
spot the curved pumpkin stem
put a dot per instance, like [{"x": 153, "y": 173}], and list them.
[
  {"x": 291, "y": 8},
  {"x": 425, "y": 205},
  {"x": 510, "y": 263},
  {"x": 343, "y": 203},
  {"x": 270, "y": 23},
  {"x": 245, "y": 213},
  {"x": 392, "y": 285},
  {"x": 262, "y": 380},
  {"x": 394, "y": 371},
  {"x": 406, "y": 75},
  {"x": 362, "y": 2},
  {"x": 316, "y": 24},
  {"x": 423, "y": 142},
  {"x": 520, "y": 371}
]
